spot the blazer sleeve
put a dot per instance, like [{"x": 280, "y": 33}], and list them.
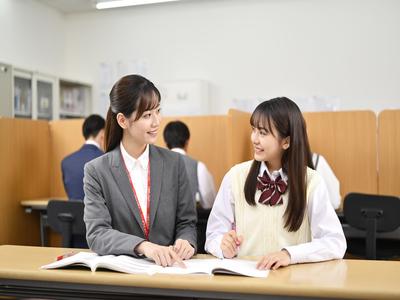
[
  {"x": 186, "y": 210},
  {"x": 100, "y": 235}
]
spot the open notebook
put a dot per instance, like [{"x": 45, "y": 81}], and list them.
[{"x": 127, "y": 264}]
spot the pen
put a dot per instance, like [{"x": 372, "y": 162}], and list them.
[{"x": 65, "y": 255}]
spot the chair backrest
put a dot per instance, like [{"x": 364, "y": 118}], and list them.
[
  {"x": 202, "y": 218},
  {"x": 372, "y": 213},
  {"x": 357, "y": 208},
  {"x": 66, "y": 218}
]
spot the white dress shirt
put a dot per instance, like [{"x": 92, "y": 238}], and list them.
[
  {"x": 332, "y": 183},
  {"x": 327, "y": 242},
  {"x": 206, "y": 182},
  {"x": 92, "y": 142},
  {"x": 138, "y": 169}
]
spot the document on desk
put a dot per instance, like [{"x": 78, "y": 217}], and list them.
[{"x": 128, "y": 264}]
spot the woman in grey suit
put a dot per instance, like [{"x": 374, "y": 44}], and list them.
[{"x": 137, "y": 196}]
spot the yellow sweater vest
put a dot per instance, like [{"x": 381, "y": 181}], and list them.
[{"x": 262, "y": 226}]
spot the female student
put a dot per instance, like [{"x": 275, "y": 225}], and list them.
[
  {"x": 137, "y": 196},
  {"x": 275, "y": 206}
]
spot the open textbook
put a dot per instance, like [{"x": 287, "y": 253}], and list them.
[{"x": 127, "y": 264}]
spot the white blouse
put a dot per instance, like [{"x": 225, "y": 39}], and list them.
[
  {"x": 138, "y": 170},
  {"x": 328, "y": 240}
]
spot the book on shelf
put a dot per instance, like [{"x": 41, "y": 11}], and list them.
[{"x": 131, "y": 265}]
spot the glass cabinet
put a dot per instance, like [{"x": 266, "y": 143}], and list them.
[
  {"x": 33, "y": 95},
  {"x": 22, "y": 94}
]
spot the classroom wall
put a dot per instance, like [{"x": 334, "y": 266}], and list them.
[
  {"x": 32, "y": 36},
  {"x": 344, "y": 52},
  {"x": 332, "y": 54}
]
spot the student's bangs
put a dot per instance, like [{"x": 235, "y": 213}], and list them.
[
  {"x": 261, "y": 119},
  {"x": 149, "y": 99}
]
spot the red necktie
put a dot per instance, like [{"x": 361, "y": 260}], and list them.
[{"x": 271, "y": 190}]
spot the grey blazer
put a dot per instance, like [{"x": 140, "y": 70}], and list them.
[{"x": 112, "y": 217}]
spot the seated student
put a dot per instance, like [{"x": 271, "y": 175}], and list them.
[
  {"x": 137, "y": 196},
  {"x": 72, "y": 165},
  {"x": 332, "y": 183},
  {"x": 176, "y": 137},
  {"x": 275, "y": 206}
]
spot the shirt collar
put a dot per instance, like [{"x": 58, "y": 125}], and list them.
[
  {"x": 92, "y": 142},
  {"x": 179, "y": 150},
  {"x": 130, "y": 161},
  {"x": 274, "y": 174}
]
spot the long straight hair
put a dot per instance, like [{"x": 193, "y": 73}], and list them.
[
  {"x": 129, "y": 94},
  {"x": 283, "y": 114}
]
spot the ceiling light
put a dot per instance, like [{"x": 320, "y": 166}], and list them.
[{"x": 122, "y": 3}]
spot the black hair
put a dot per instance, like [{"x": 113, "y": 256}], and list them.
[
  {"x": 176, "y": 134},
  {"x": 283, "y": 114},
  {"x": 129, "y": 94},
  {"x": 92, "y": 126}
]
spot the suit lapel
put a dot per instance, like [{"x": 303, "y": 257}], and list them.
[
  {"x": 156, "y": 173},
  {"x": 120, "y": 175}
]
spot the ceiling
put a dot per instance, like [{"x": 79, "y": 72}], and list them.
[{"x": 71, "y": 6}]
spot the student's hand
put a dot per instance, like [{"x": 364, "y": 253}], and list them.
[
  {"x": 230, "y": 244},
  {"x": 274, "y": 260},
  {"x": 162, "y": 255},
  {"x": 183, "y": 249}
]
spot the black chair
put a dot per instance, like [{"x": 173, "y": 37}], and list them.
[
  {"x": 372, "y": 214},
  {"x": 66, "y": 218},
  {"x": 202, "y": 218}
]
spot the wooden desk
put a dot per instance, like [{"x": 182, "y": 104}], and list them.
[
  {"x": 40, "y": 205},
  {"x": 20, "y": 276}
]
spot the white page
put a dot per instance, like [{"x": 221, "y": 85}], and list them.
[
  {"x": 242, "y": 267},
  {"x": 127, "y": 264},
  {"x": 82, "y": 258}
]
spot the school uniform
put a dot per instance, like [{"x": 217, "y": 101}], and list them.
[
  {"x": 119, "y": 217},
  {"x": 320, "y": 236}
]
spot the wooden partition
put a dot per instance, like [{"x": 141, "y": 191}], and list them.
[
  {"x": 24, "y": 174},
  {"x": 65, "y": 137},
  {"x": 31, "y": 154},
  {"x": 209, "y": 142},
  {"x": 239, "y": 131},
  {"x": 347, "y": 139},
  {"x": 389, "y": 152}
]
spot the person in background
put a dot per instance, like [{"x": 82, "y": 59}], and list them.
[
  {"x": 176, "y": 137},
  {"x": 73, "y": 165},
  {"x": 137, "y": 196},
  {"x": 332, "y": 183},
  {"x": 275, "y": 206}
]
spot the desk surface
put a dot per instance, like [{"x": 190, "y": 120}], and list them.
[
  {"x": 39, "y": 203},
  {"x": 358, "y": 279}
]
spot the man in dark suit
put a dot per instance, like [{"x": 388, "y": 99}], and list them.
[{"x": 72, "y": 166}]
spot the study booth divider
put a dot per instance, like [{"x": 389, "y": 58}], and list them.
[
  {"x": 389, "y": 152},
  {"x": 31, "y": 154}
]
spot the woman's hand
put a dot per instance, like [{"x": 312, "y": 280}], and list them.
[
  {"x": 183, "y": 249},
  {"x": 162, "y": 255},
  {"x": 230, "y": 244},
  {"x": 274, "y": 260}
]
